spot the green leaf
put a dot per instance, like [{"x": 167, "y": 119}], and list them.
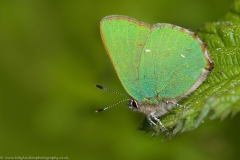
[{"x": 220, "y": 92}]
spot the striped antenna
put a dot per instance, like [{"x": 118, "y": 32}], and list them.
[
  {"x": 103, "y": 109},
  {"x": 108, "y": 90},
  {"x": 105, "y": 89}
]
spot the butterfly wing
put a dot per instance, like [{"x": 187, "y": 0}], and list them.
[
  {"x": 172, "y": 61},
  {"x": 124, "y": 39}
]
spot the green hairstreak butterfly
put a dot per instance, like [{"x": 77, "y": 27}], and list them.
[{"x": 158, "y": 65}]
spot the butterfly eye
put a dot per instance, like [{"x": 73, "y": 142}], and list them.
[{"x": 134, "y": 104}]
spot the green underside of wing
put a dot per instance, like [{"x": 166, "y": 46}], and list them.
[
  {"x": 152, "y": 60},
  {"x": 173, "y": 65},
  {"x": 124, "y": 39}
]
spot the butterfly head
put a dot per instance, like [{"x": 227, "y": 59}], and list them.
[{"x": 132, "y": 105}]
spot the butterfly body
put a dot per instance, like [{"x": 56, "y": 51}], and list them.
[{"x": 157, "y": 64}]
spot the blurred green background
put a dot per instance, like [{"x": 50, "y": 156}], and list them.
[{"x": 51, "y": 56}]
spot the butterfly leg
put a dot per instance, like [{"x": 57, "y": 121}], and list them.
[
  {"x": 178, "y": 105},
  {"x": 149, "y": 118},
  {"x": 158, "y": 120},
  {"x": 153, "y": 117}
]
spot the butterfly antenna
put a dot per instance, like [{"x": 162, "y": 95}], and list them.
[
  {"x": 105, "y": 89},
  {"x": 103, "y": 109}
]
